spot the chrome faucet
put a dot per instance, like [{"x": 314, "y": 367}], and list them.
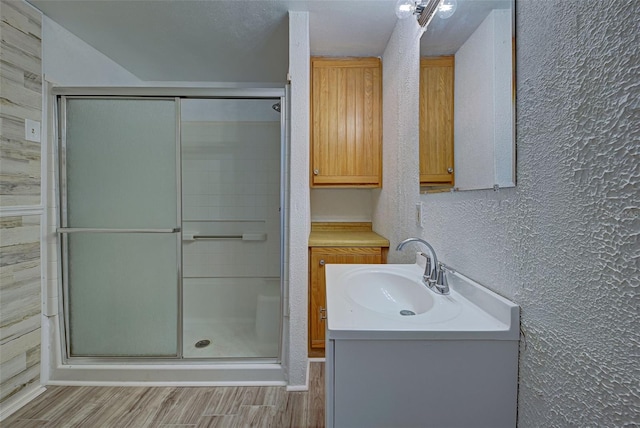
[{"x": 433, "y": 277}]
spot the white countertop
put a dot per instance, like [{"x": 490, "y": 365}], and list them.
[{"x": 469, "y": 312}]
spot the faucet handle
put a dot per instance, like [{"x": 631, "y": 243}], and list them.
[
  {"x": 442, "y": 284},
  {"x": 428, "y": 268}
]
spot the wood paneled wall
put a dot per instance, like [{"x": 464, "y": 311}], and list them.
[
  {"x": 20, "y": 199},
  {"x": 20, "y": 303},
  {"x": 21, "y": 83}
]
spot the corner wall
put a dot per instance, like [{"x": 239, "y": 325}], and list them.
[
  {"x": 21, "y": 206},
  {"x": 563, "y": 244},
  {"x": 394, "y": 205},
  {"x": 298, "y": 209},
  {"x": 69, "y": 61}
]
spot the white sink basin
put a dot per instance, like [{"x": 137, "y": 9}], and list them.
[{"x": 392, "y": 293}]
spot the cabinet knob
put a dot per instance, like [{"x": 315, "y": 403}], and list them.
[
  {"x": 316, "y": 172},
  {"x": 450, "y": 170},
  {"x": 321, "y": 262}
]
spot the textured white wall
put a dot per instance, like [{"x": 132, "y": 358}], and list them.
[
  {"x": 394, "y": 204},
  {"x": 299, "y": 211},
  {"x": 564, "y": 243}
]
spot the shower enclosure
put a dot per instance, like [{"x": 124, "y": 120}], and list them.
[{"x": 170, "y": 228}]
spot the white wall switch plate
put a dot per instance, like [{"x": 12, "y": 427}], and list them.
[
  {"x": 32, "y": 130},
  {"x": 419, "y": 214}
]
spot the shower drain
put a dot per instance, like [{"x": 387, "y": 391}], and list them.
[
  {"x": 406, "y": 312},
  {"x": 203, "y": 343}
]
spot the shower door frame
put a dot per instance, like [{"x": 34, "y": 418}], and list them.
[{"x": 164, "y": 93}]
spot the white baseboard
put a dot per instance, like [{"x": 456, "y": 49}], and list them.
[
  {"x": 15, "y": 403},
  {"x": 297, "y": 388},
  {"x": 168, "y": 375},
  {"x": 305, "y": 387}
]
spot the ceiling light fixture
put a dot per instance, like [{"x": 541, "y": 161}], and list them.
[
  {"x": 447, "y": 8},
  {"x": 425, "y": 9},
  {"x": 405, "y": 8}
]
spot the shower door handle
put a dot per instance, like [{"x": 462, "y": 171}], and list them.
[{"x": 62, "y": 230}]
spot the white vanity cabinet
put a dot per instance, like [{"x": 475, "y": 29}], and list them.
[
  {"x": 384, "y": 370},
  {"x": 415, "y": 383}
]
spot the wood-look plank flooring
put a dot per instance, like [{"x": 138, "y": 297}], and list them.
[{"x": 185, "y": 407}]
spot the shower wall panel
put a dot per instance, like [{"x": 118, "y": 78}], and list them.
[{"x": 231, "y": 187}]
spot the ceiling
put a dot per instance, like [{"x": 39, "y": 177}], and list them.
[
  {"x": 445, "y": 36},
  {"x": 220, "y": 41},
  {"x": 243, "y": 41}
]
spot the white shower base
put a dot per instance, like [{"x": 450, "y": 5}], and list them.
[
  {"x": 240, "y": 316},
  {"x": 229, "y": 339}
]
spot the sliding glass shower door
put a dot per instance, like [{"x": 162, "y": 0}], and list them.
[
  {"x": 232, "y": 228},
  {"x": 120, "y": 229}
]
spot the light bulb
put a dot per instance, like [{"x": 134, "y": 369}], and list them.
[
  {"x": 405, "y": 8},
  {"x": 447, "y": 8}
]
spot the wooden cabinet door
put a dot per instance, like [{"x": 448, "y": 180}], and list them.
[
  {"x": 346, "y": 115},
  {"x": 436, "y": 121},
  {"x": 319, "y": 258}
]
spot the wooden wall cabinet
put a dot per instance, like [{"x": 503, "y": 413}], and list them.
[
  {"x": 436, "y": 121},
  {"x": 346, "y": 122},
  {"x": 319, "y": 257}
]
